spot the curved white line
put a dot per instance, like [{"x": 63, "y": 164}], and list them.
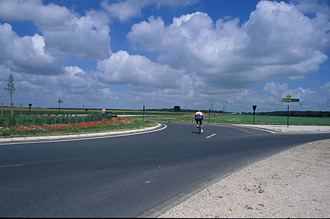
[{"x": 96, "y": 137}]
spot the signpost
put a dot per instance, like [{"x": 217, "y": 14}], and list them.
[
  {"x": 59, "y": 105},
  {"x": 30, "y": 105},
  {"x": 254, "y": 111},
  {"x": 288, "y": 101}
]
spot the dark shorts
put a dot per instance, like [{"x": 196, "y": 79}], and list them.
[{"x": 199, "y": 120}]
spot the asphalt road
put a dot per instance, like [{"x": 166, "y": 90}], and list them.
[{"x": 131, "y": 176}]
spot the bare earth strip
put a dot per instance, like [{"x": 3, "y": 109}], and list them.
[{"x": 294, "y": 183}]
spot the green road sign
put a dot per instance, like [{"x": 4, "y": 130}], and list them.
[
  {"x": 291, "y": 100},
  {"x": 291, "y": 104}
]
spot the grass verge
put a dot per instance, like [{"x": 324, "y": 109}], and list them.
[{"x": 118, "y": 124}]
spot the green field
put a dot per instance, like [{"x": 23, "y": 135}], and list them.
[
  {"x": 245, "y": 119},
  {"x": 37, "y": 122}
]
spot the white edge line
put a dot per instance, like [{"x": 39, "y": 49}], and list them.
[
  {"x": 109, "y": 135},
  {"x": 261, "y": 129},
  {"x": 210, "y": 136},
  {"x": 14, "y": 165}
]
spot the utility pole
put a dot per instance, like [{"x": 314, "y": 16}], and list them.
[
  {"x": 224, "y": 103},
  {"x": 211, "y": 104},
  {"x": 211, "y": 109}
]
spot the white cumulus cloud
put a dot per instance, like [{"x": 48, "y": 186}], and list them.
[
  {"x": 278, "y": 40},
  {"x": 127, "y": 9},
  {"x": 138, "y": 70},
  {"x": 65, "y": 32},
  {"x": 26, "y": 54}
]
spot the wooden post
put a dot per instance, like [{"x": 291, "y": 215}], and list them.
[
  {"x": 21, "y": 109},
  {"x": 1, "y": 109}
]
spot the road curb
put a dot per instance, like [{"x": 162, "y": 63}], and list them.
[{"x": 89, "y": 135}]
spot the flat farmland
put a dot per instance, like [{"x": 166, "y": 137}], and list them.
[{"x": 245, "y": 119}]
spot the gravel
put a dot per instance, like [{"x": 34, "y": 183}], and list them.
[{"x": 293, "y": 183}]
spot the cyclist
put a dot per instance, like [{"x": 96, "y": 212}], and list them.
[{"x": 199, "y": 117}]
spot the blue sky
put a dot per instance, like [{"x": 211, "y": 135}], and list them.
[{"x": 124, "y": 54}]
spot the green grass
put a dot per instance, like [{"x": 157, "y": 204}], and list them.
[
  {"x": 42, "y": 131},
  {"x": 245, "y": 119},
  {"x": 150, "y": 119},
  {"x": 269, "y": 120}
]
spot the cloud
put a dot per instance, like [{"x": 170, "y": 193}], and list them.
[
  {"x": 273, "y": 92},
  {"x": 325, "y": 88},
  {"x": 74, "y": 86},
  {"x": 138, "y": 70},
  {"x": 27, "y": 54},
  {"x": 127, "y": 9},
  {"x": 147, "y": 81},
  {"x": 199, "y": 59},
  {"x": 86, "y": 36},
  {"x": 65, "y": 32},
  {"x": 277, "y": 41},
  {"x": 47, "y": 16}
]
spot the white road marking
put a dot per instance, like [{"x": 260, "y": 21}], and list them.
[
  {"x": 14, "y": 165},
  {"x": 210, "y": 136},
  {"x": 87, "y": 138},
  {"x": 261, "y": 129}
]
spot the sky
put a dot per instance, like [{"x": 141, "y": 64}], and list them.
[{"x": 196, "y": 54}]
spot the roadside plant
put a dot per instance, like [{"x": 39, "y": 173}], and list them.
[
  {"x": 8, "y": 129},
  {"x": 10, "y": 88},
  {"x": 248, "y": 207}
]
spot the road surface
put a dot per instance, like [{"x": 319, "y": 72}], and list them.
[{"x": 127, "y": 176}]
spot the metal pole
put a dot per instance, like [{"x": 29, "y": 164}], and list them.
[
  {"x": 144, "y": 107},
  {"x": 287, "y": 123}
]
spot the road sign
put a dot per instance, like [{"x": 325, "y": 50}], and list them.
[
  {"x": 103, "y": 110},
  {"x": 290, "y": 100},
  {"x": 291, "y": 104}
]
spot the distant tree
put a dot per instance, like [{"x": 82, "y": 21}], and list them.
[
  {"x": 177, "y": 108},
  {"x": 10, "y": 88}
]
